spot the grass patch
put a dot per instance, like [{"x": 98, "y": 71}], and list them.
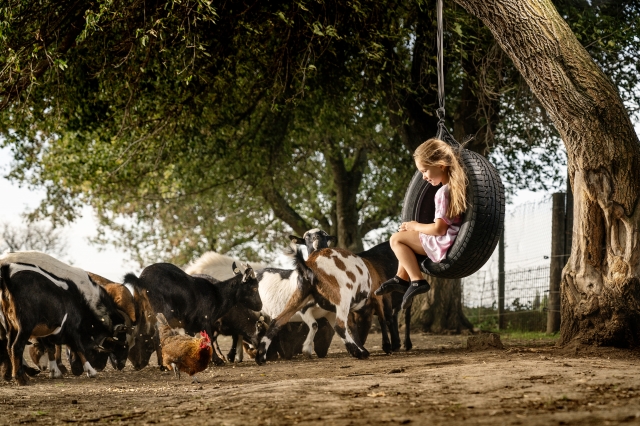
[{"x": 528, "y": 335}]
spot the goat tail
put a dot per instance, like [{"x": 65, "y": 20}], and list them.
[
  {"x": 131, "y": 278},
  {"x": 299, "y": 264}
]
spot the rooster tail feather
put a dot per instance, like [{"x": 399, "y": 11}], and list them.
[
  {"x": 161, "y": 319},
  {"x": 164, "y": 329}
]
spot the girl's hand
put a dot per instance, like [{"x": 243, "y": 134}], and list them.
[{"x": 408, "y": 226}]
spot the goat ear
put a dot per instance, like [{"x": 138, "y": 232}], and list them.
[
  {"x": 333, "y": 240},
  {"x": 253, "y": 272},
  {"x": 297, "y": 240},
  {"x": 235, "y": 268},
  {"x": 248, "y": 273}
]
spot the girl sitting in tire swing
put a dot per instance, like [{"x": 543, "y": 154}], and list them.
[{"x": 438, "y": 163}]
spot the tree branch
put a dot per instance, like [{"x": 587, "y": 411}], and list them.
[{"x": 284, "y": 211}]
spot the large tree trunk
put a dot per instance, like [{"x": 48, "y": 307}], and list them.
[
  {"x": 600, "y": 283},
  {"x": 440, "y": 310},
  {"x": 346, "y": 184}
]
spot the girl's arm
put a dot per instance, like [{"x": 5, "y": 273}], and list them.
[{"x": 439, "y": 227}]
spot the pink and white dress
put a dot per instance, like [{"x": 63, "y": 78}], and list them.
[{"x": 436, "y": 246}]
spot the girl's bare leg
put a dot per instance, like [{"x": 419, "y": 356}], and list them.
[
  {"x": 402, "y": 273},
  {"x": 405, "y": 245}
]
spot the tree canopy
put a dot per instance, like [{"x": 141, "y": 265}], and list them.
[{"x": 219, "y": 126}]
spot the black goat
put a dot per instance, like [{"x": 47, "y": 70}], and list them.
[
  {"x": 56, "y": 311},
  {"x": 194, "y": 303}
]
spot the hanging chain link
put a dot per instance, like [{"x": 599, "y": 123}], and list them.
[{"x": 440, "y": 111}]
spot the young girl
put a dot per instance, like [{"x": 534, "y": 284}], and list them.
[{"x": 438, "y": 163}]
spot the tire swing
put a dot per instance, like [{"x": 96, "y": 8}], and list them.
[{"x": 482, "y": 222}]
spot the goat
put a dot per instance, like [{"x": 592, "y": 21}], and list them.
[
  {"x": 244, "y": 325},
  {"x": 65, "y": 307},
  {"x": 338, "y": 281},
  {"x": 118, "y": 358},
  {"x": 384, "y": 261},
  {"x": 216, "y": 265},
  {"x": 276, "y": 287},
  {"x": 193, "y": 302},
  {"x": 240, "y": 322}
]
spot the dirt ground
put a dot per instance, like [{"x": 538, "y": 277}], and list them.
[{"x": 438, "y": 382}]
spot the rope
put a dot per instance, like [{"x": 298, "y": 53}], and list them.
[{"x": 442, "y": 134}]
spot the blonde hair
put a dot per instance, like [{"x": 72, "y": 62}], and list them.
[{"x": 435, "y": 152}]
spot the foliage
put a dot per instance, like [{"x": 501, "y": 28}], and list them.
[{"x": 191, "y": 126}]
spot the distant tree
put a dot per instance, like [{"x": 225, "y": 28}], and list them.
[{"x": 37, "y": 236}]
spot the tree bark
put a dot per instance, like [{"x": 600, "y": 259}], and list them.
[
  {"x": 283, "y": 210},
  {"x": 440, "y": 310},
  {"x": 346, "y": 185},
  {"x": 601, "y": 281}
]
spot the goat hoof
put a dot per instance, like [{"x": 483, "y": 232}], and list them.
[
  {"x": 217, "y": 361},
  {"x": 62, "y": 369},
  {"x": 31, "y": 371},
  {"x": 22, "y": 380},
  {"x": 386, "y": 347},
  {"x": 408, "y": 346},
  {"x": 55, "y": 374}
]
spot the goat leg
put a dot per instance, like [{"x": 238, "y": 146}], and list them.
[
  {"x": 58, "y": 356},
  {"x": 297, "y": 301},
  {"x": 407, "y": 328},
  {"x": 351, "y": 340},
  {"x": 378, "y": 306}
]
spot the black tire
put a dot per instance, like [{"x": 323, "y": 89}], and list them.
[{"x": 482, "y": 223}]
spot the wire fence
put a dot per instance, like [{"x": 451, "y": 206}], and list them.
[
  {"x": 526, "y": 298},
  {"x": 527, "y": 266}
]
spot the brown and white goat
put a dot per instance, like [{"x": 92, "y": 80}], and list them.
[
  {"x": 384, "y": 260},
  {"x": 338, "y": 281}
]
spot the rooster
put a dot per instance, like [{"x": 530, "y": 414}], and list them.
[{"x": 181, "y": 352}]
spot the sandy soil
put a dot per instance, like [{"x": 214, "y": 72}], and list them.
[{"x": 439, "y": 382}]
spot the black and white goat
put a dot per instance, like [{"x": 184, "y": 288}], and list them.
[
  {"x": 276, "y": 287},
  {"x": 44, "y": 298},
  {"x": 194, "y": 303},
  {"x": 339, "y": 281}
]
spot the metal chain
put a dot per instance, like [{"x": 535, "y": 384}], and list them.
[{"x": 440, "y": 111}]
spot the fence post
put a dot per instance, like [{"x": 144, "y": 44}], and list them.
[
  {"x": 501, "y": 278},
  {"x": 557, "y": 261}
]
